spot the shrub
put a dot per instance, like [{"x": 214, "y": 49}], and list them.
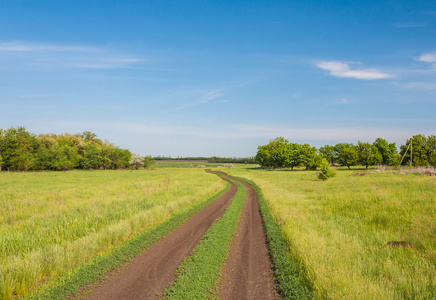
[{"x": 326, "y": 171}]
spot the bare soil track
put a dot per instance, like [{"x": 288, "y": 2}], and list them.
[
  {"x": 247, "y": 274},
  {"x": 147, "y": 275}
]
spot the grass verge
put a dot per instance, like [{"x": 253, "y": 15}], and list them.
[
  {"x": 287, "y": 271},
  {"x": 96, "y": 267},
  {"x": 197, "y": 276}
]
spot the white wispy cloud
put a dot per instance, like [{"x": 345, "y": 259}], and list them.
[
  {"x": 343, "y": 70},
  {"x": 203, "y": 99},
  {"x": 16, "y": 46},
  {"x": 427, "y": 57},
  {"x": 65, "y": 56},
  {"x": 244, "y": 132},
  {"x": 344, "y": 101}
]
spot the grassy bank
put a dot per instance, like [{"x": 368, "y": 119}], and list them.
[
  {"x": 197, "y": 276},
  {"x": 51, "y": 221},
  {"x": 338, "y": 230}
]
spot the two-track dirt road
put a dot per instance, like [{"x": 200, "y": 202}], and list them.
[{"x": 247, "y": 273}]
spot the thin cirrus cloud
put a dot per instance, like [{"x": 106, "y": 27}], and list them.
[
  {"x": 16, "y": 46},
  {"x": 344, "y": 70},
  {"x": 240, "y": 131},
  {"x": 65, "y": 56},
  {"x": 204, "y": 99}
]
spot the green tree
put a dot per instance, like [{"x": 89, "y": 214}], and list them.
[
  {"x": 17, "y": 149},
  {"x": 1, "y": 162},
  {"x": 291, "y": 156},
  {"x": 419, "y": 148},
  {"x": 263, "y": 156},
  {"x": 308, "y": 157},
  {"x": 148, "y": 161},
  {"x": 348, "y": 154},
  {"x": 44, "y": 158},
  {"x": 91, "y": 158},
  {"x": 431, "y": 149},
  {"x": 326, "y": 171},
  {"x": 388, "y": 151},
  {"x": 65, "y": 158},
  {"x": 121, "y": 158},
  {"x": 329, "y": 153},
  {"x": 368, "y": 154},
  {"x": 273, "y": 155}
]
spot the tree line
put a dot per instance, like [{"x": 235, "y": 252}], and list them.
[
  {"x": 280, "y": 153},
  {"x": 21, "y": 150},
  {"x": 213, "y": 159},
  {"x": 232, "y": 160}
]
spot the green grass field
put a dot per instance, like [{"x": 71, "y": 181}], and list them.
[
  {"x": 51, "y": 221},
  {"x": 338, "y": 230}
]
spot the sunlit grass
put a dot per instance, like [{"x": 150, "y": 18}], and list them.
[
  {"x": 338, "y": 230},
  {"x": 52, "y": 221}
]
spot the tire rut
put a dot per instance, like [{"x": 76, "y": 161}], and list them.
[
  {"x": 147, "y": 276},
  {"x": 247, "y": 273}
]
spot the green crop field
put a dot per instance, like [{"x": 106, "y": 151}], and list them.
[
  {"x": 51, "y": 221},
  {"x": 338, "y": 230}
]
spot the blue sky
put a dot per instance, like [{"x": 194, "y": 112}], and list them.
[{"x": 204, "y": 78}]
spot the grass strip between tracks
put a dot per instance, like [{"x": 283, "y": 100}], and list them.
[
  {"x": 286, "y": 270},
  {"x": 198, "y": 275},
  {"x": 69, "y": 283}
]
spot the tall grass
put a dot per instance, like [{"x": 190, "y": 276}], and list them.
[
  {"x": 338, "y": 230},
  {"x": 52, "y": 221}
]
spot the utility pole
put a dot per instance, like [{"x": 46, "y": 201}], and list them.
[{"x": 411, "y": 150}]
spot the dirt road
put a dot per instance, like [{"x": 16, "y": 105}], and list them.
[{"x": 247, "y": 274}]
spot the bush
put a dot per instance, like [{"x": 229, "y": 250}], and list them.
[{"x": 326, "y": 171}]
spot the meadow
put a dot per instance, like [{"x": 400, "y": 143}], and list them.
[
  {"x": 52, "y": 221},
  {"x": 339, "y": 229}
]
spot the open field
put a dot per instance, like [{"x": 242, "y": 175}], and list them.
[
  {"x": 338, "y": 229},
  {"x": 51, "y": 221},
  {"x": 336, "y": 232}
]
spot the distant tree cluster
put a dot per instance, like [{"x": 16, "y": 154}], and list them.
[
  {"x": 380, "y": 152},
  {"x": 213, "y": 159},
  {"x": 424, "y": 150},
  {"x": 231, "y": 160},
  {"x": 180, "y": 158},
  {"x": 21, "y": 150},
  {"x": 280, "y": 153}
]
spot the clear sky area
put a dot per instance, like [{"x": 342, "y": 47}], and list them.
[{"x": 205, "y": 78}]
